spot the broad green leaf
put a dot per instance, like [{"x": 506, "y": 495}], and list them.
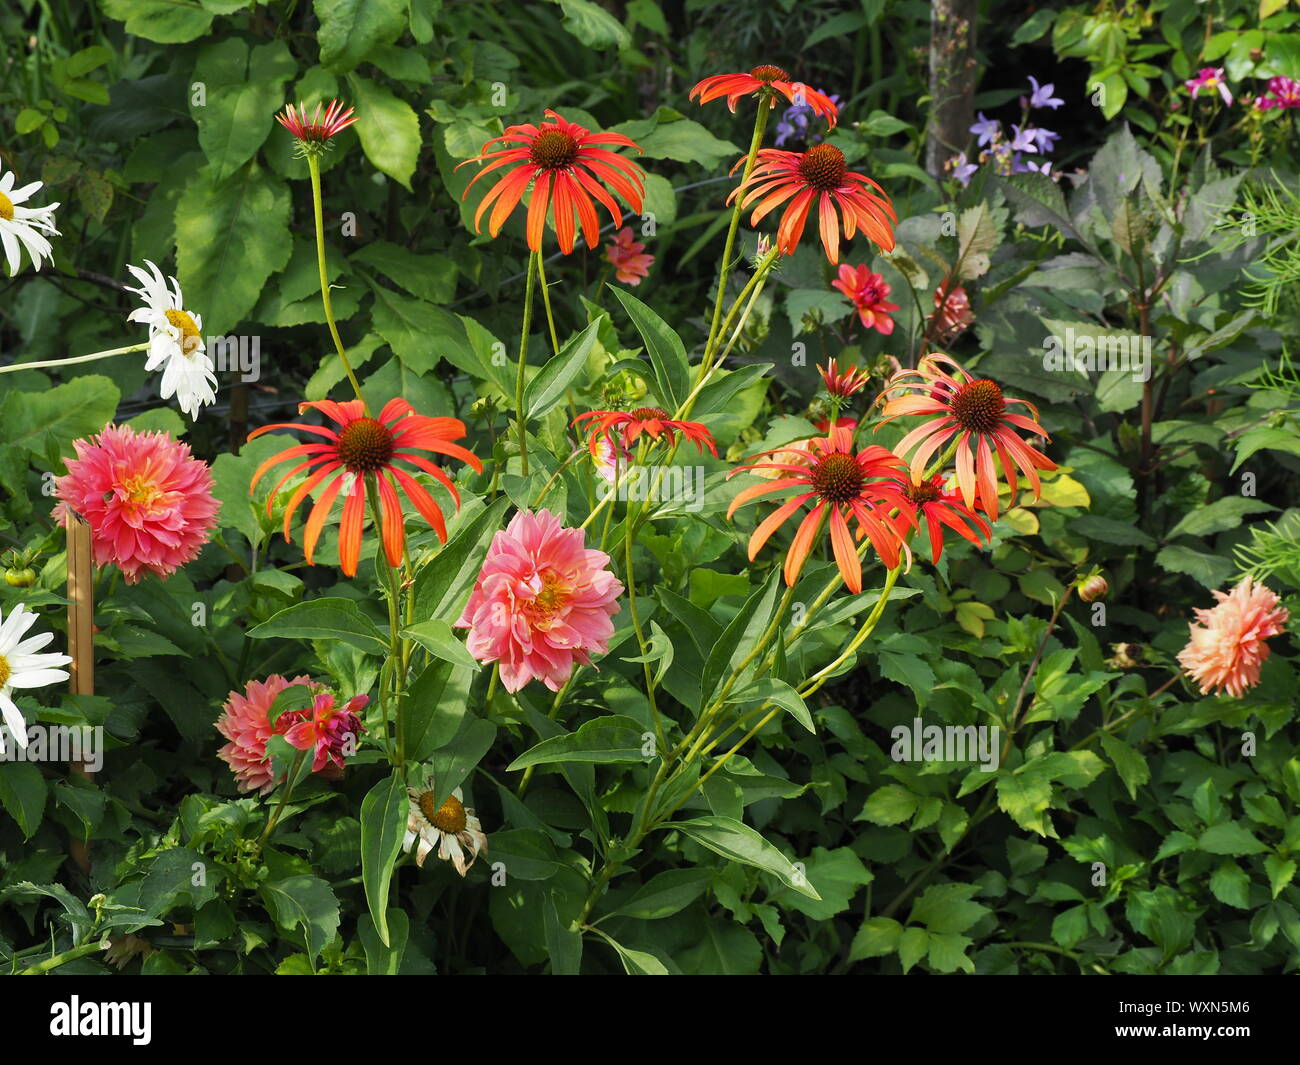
[
  {"x": 437, "y": 638},
  {"x": 383, "y": 959},
  {"x": 231, "y": 236},
  {"x": 241, "y": 94},
  {"x": 877, "y": 937},
  {"x": 739, "y": 639},
  {"x": 434, "y": 708},
  {"x": 164, "y": 21},
  {"x": 324, "y": 619},
  {"x": 547, "y": 388},
  {"x": 666, "y": 894},
  {"x": 1230, "y": 838},
  {"x": 349, "y": 29},
  {"x": 563, "y": 943},
  {"x": 593, "y": 25},
  {"x": 1219, "y": 516},
  {"x": 665, "y": 348},
  {"x": 1212, "y": 571},
  {"x": 454, "y": 761},
  {"x": 1128, "y": 762},
  {"x": 22, "y": 793},
  {"x": 891, "y": 804},
  {"x": 947, "y": 908},
  {"x": 304, "y": 902},
  {"x": 444, "y": 583},
  {"x": 599, "y": 741},
  {"x": 383, "y": 823},
  {"x": 389, "y": 128},
  {"x": 737, "y": 841},
  {"x": 779, "y": 693}
]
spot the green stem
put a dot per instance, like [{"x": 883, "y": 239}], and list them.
[
  {"x": 49, "y": 363},
  {"x": 546, "y": 301},
  {"x": 50, "y": 964},
  {"x": 313, "y": 165},
  {"x": 278, "y": 812},
  {"x": 520, "y": 379}
]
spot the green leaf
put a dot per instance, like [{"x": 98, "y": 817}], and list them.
[
  {"x": 600, "y": 741},
  {"x": 349, "y": 29},
  {"x": 383, "y": 823},
  {"x": 877, "y": 937},
  {"x": 414, "y": 329},
  {"x": 684, "y": 141},
  {"x": 665, "y": 348},
  {"x": 437, "y": 638},
  {"x": 547, "y": 388},
  {"x": 779, "y": 693},
  {"x": 1109, "y": 531},
  {"x": 1210, "y": 570},
  {"x": 443, "y": 585},
  {"x": 737, "y": 841},
  {"x": 1230, "y": 885},
  {"x": 1281, "y": 871},
  {"x": 666, "y": 894},
  {"x": 324, "y": 619},
  {"x": 389, "y": 129},
  {"x": 637, "y": 962},
  {"x": 593, "y": 25},
  {"x": 912, "y": 946},
  {"x": 888, "y": 805},
  {"x": 947, "y": 908},
  {"x": 563, "y": 943},
  {"x": 1219, "y": 516},
  {"x": 231, "y": 236},
  {"x": 304, "y": 902},
  {"x": 1128, "y": 762},
  {"x": 1265, "y": 437},
  {"x": 164, "y": 21},
  {"x": 383, "y": 959},
  {"x": 1230, "y": 838},
  {"x": 22, "y": 793},
  {"x": 428, "y": 277},
  {"x": 454, "y": 761},
  {"x": 718, "y": 393},
  {"x": 739, "y": 638},
  {"x": 242, "y": 92}
]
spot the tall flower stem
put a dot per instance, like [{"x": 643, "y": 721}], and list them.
[
  {"x": 724, "y": 272},
  {"x": 546, "y": 302},
  {"x": 313, "y": 165},
  {"x": 278, "y": 812},
  {"x": 629, "y": 529},
  {"x": 520, "y": 379},
  {"x": 49, "y": 363},
  {"x": 390, "y": 694}
]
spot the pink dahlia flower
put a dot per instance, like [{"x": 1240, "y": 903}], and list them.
[
  {"x": 246, "y": 722},
  {"x": 628, "y": 257},
  {"x": 148, "y": 502},
  {"x": 542, "y": 602},
  {"x": 867, "y": 292},
  {"x": 1227, "y": 647}
]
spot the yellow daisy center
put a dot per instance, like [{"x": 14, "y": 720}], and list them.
[
  {"x": 6, "y": 207},
  {"x": 5, "y": 671},
  {"x": 190, "y": 335},
  {"x": 449, "y": 817}
]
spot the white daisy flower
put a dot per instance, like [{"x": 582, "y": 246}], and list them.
[
  {"x": 26, "y": 224},
  {"x": 22, "y": 667},
  {"x": 451, "y": 828},
  {"x": 175, "y": 341}
]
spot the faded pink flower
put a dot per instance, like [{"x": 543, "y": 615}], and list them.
[
  {"x": 542, "y": 602},
  {"x": 148, "y": 502},
  {"x": 1227, "y": 647},
  {"x": 867, "y": 292},
  {"x": 1210, "y": 78},
  {"x": 626, "y": 254},
  {"x": 246, "y": 722},
  {"x": 952, "y": 314}
]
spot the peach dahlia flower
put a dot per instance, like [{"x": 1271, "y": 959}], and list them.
[{"x": 1227, "y": 649}]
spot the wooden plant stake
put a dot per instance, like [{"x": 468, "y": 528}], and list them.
[{"x": 81, "y": 639}]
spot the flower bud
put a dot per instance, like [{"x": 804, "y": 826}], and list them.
[{"x": 1092, "y": 588}]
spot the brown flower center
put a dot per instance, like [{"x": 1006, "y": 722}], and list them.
[
  {"x": 6, "y": 207},
  {"x": 449, "y": 817},
  {"x": 768, "y": 73},
  {"x": 822, "y": 166},
  {"x": 978, "y": 406},
  {"x": 649, "y": 414},
  {"x": 553, "y": 149},
  {"x": 365, "y": 446},
  {"x": 837, "y": 477},
  {"x": 5, "y": 671},
  {"x": 920, "y": 494}
]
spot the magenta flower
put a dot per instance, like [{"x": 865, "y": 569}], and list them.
[
  {"x": 332, "y": 732},
  {"x": 1210, "y": 78},
  {"x": 542, "y": 603}
]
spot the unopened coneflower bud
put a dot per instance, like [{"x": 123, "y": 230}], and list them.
[{"x": 1093, "y": 588}]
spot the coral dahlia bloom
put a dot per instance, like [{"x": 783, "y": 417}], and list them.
[
  {"x": 940, "y": 509},
  {"x": 818, "y": 176},
  {"x": 626, "y": 256},
  {"x": 148, "y": 502},
  {"x": 542, "y": 603},
  {"x": 974, "y": 412},
  {"x": 566, "y": 165},
  {"x": 331, "y": 732},
  {"x": 246, "y": 722},
  {"x": 653, "y": 421},
  {"x": 842, "y": 486},
  {"x": 952, "y": 314},
  {"x": 360, "y": 448},
  {"x": 314, "y": 133},
  {"x": 770, "y": 80},
  {"x": 843, "y": 383},
  {"x": 867, "y": 292},
  {"x": 1227, "y": 649}
]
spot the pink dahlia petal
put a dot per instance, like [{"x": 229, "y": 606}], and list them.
[
  {"x": 1226, "y": 649},
  {"x": 542, "y": 603}
]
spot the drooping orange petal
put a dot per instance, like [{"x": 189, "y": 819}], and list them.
[
  {"x": 392, "y": 522},
  {"x": 802, "y": 544},
  {"x": 846, "y": 558},
  {"x": 773, "y": 521},
  {"x": 354, "y": 508}
]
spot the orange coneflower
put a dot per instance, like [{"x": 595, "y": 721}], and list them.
[
  {"x": 360, "y": 447},
  {"x": 932, "y": 501},
  {"x": 843, "y": 383},
  {"x": 653, "y": 421},
  {"x": 818, "y": 175},
  {"x": 565, "y": 163},
  {"x": 840, "y": 485},
  {"x": 767, "y": 78},
  {"x": 973, "y": 410},
  {"x": 317, "y": 130}
]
